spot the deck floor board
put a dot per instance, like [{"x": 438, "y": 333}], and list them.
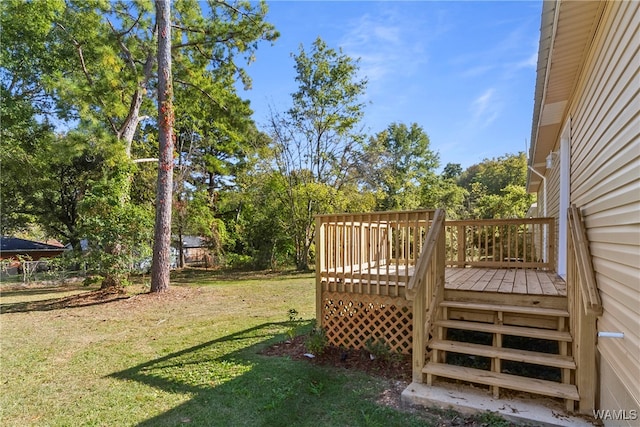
[{"x": 510, "y": 281}]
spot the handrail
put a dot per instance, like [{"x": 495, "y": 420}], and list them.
[
  {"x": 426, "y": 254},
  {"x": 588, "y": 286}
]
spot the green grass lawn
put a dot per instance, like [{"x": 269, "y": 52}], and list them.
[{"x": 189, "y": 357}]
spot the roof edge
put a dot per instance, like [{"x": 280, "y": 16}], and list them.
[{"x": 548, "y": 27}]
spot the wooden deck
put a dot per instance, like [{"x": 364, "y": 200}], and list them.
[
  {"x": 501, "y": 280},
  {"x": 508, "y": 281},
  {"x": 408, "y": 277}
]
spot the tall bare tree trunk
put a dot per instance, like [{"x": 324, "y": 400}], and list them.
[{"x": 162, "y": 235}]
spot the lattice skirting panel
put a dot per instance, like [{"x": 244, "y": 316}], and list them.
[{"x": 350, "y": 320}]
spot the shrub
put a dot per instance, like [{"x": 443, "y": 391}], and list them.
[
  {"x": 379, "y": 348},
  {"x": 316, "y": 342}
]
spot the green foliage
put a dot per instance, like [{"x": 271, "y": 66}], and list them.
[
  {"x": 493, "y": 419},
  {"x": 452, "y": 171},
  {"x": 495, "y": 174},
  {"x": 512, "y": 202},
  {"x": 379, "y": 348},
  {"x": 444, "y": 194},
  {"x": 402, "y": 159},
  {"x": 316, "y": 341},
  {"x": 252, "y": 195},
  {"x": 314, "y": 144},
  {"x": 293, "y": 323},
  {"x": 292, "y": 314},
  {"x": 496, "y": 187},
  {"x": 118, "y": 231},
  {"x": 239, "y": 261},
  {"x": 95, "y": 62}
]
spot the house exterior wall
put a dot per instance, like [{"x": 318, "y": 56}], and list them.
[
  {"x": 553, "y": 200},
  {"x": 198, "y": 256},
  {"x": 605, "y": 184}
]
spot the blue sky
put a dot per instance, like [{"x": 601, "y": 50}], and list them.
[{"x": 464, "y": 71}]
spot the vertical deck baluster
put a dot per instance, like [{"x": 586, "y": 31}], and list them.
[
  {"x": 343, "y": 251},
  {"x": 350, "y": 252},
  {"x": 378, "y": 252},
  {"x": 478, "y": 243},
  {"x": 370, "y": 252},
  {"x": 509, "y": 241},
  {"x": 398, "y": 247},
  {"x": 336, "y": 249},
  {"x": 501, "y": 243},
  {"x": 540, "y": 252},
  {"x": 361, "y": 244},
  {"x": 525, "y": 242},
  {"x": 486, "y": 242},
  {"x": 493, "y": 243},
  {"x": 517, "y": 240}
]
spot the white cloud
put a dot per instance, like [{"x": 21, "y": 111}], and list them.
[
  {"x": 387, "y": 45},
  {"x": 485, "y": 108}
]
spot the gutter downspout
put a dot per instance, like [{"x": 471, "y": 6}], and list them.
[{"x": 544, "y": 201}]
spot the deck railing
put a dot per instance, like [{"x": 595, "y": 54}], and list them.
[
  {"x": 373, "y": 253},
  {"x": 501, "y": 243},
  {"x": 584, "y": 307},
  {"x": 364, "y": 263},
  {"x": 426, "y": 290}
]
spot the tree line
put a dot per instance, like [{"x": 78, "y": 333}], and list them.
[{"x": 79, "y": 84}]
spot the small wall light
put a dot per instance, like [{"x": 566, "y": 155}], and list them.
[{"x": 550, "y": 158}]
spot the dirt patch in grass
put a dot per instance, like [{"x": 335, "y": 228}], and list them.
[{"x": 398, "y": 367}]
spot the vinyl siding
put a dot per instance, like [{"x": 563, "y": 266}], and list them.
[
  {"x": 553, "y": 200},
  {"x": 605, "y": 184}
]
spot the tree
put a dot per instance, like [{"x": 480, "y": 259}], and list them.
[
  {"x": 496, "y": 174},
  {"x": 438, "y": 192},
  {"x": 212, "y": 146},
  {"x": 95, "y": 62},
  {"x": 402, "y": 159},
  {"x": 162, "y": 230},
  {"x": 315, "y": 142},
  {"x": 512, "y": 202},
  {"x": 452, "y": 171},
  {"x": 496, "y": 187}
]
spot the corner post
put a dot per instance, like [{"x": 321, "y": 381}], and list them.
[{"x": 320, "y": 266}]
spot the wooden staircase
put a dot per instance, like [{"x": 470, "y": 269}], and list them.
[{"x": 476, "y": 340}]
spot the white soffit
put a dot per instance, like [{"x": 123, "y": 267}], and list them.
[{"x": 552, "y": 113}]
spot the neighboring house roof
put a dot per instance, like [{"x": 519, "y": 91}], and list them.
[
  {"x": 54, "y": 242},
  {"x": 193, "y": 242},
  {"x": 11, "y": 246}
]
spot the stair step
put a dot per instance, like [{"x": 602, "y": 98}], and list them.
[
  {"x": 537, "y": 358},
  {"x": 539, "y": 311},
  {"x": 512, "y": 382},
  {"x": 519, "y": 331}
]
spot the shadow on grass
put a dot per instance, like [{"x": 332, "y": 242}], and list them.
[
  {"x": 84, "y": 299},
  {"x": 28, "y": 290},
  {"x": 232, "y": 384},
  {"x": 199, "y": 275}
]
